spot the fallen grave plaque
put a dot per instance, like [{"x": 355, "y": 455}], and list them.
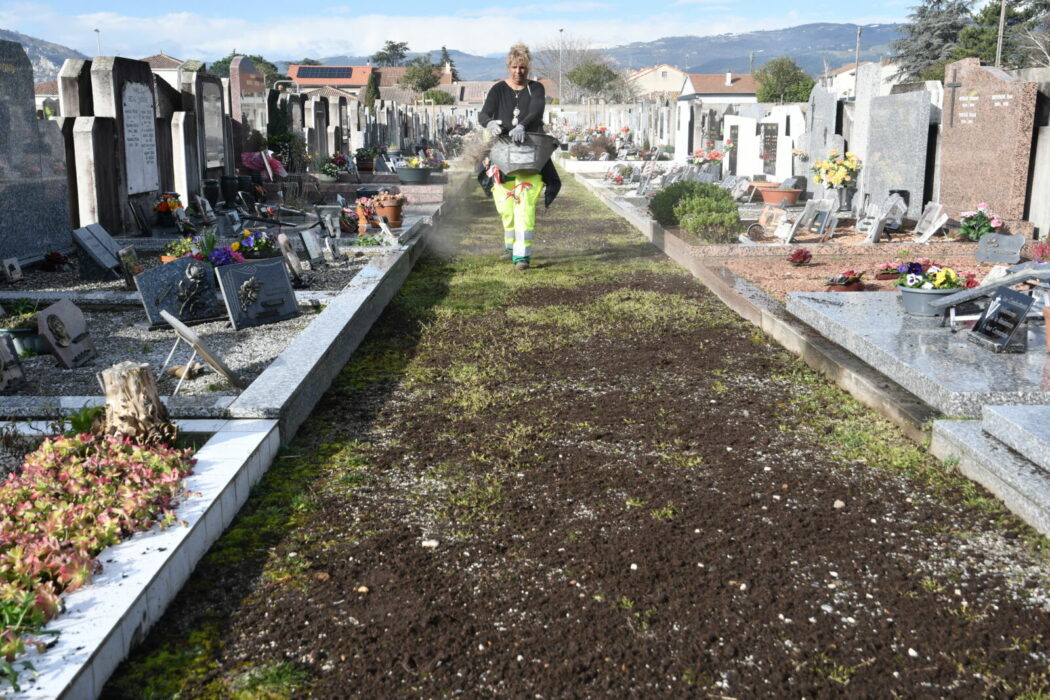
[
  {"x": 202, "y": 349},
  {"x": 129, "y": 265},
  {"x": 877, "y": 228},
  {"x": 312, "y": 245},
  {"x": 330, "y": 225},
  {"x": 207, "y": 214},
  {"x": 12, "y": 270},
  {"x": 999, "y": 248},
  {"x": 12, "y": 376},
  {"x": 141, "y": 220},
  {"x": 185, "y": 288},
  {"x": 930, "y": 222},
  {"x": 295, "y": 266},
  {"x": 997, "y": 327},
  {"x": 257, "y": 293},
  {"x": 99, "y": 260},
  {"x": 64, "y": 328}
]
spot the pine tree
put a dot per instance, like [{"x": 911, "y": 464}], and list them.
[
  {"x": 930, "y": 35},
  {"x": 446, "y": 60},
  {"x": 371, "y": 91},
  {"x": 981, "y": 38}
]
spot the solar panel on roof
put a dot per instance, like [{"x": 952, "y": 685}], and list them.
[{"x": 325, "y": 72}]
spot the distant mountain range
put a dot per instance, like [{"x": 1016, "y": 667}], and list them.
[
  {"x": 47, "y": 58},
  {"x": 810, "y": 45}
]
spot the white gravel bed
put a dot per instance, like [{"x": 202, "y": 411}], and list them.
[{"x": 124, "y": 335}]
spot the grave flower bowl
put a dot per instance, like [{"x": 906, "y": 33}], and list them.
[
  {"x": 774, "y": 196},
  {"x": 413, "y": 176},
  {"x": 917, "y": 301}
]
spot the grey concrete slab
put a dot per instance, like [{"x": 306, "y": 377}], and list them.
[
  {"x": 1020, "y": 484},
  {"x": 1025, "y": 429},
  {"x": 940, "y": 367}
]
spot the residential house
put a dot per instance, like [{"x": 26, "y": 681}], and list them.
[
  {"x": 47, "y": 99},
  {"x": 657, "y": 80},
  {"x": 841, "y": 82},
  {"x": 703, "y": 99}
]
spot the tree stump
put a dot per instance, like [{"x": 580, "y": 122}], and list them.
[{"x": 133, "y": 406}]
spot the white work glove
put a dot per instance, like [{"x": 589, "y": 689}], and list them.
[
  {"x": 517, "y": 134},
  {"x": 495, "y": 127}
]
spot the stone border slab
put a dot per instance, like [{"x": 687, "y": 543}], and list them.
[
  {"x": 1025, "y": 429},
  {"x": 141, "y": 575},
  {"x": 1018, "y": 483}
]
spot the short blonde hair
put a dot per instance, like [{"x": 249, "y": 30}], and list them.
[{"x": 519, "y": 53}]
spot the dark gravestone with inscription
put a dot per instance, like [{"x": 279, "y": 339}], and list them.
[
  {"x": 997, "y": 248},
  {"x": 184, "y": 288},
  {"x": 98, "y": 253},
  {"x": 12, "y": 377},
  {"x": 997, "y": 329},
  {"x": 65, "y": 329},
  {"x": 257, "y": 292}
]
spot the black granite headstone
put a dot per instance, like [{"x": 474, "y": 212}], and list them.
[
  {"x": 257, "y": 292},
  {"x": 184, "y": 288},
  {"x": 997, "y": 329}
]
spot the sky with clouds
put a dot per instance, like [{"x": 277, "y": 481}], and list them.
[{"x": 290, "y": 30}]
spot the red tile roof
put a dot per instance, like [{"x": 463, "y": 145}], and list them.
[
  {"x": 47, "y": 88},
  {"x": 715, "y": 84},
  {"x": 358, "y": 76},
  {"x": 162, "y": 61}
]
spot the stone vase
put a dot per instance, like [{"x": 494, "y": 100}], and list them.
[
  {"x": 917, "y": 301},
  {"x": 846, "y": 197}
]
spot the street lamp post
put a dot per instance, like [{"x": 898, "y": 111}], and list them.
[
  {"x": 561, "y": 47},
  {"x": 98, "y": 42}
]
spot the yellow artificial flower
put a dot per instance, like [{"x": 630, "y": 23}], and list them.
[
  {"x": 945, "y": 276},
  {"x": 235, "y": 246}
]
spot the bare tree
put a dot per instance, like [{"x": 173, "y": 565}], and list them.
[
  {"x": 556, "y": 57},
  {"x": 1035, "y": 42}
]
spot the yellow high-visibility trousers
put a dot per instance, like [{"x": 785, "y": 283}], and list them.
[{"x": 516, "y": 203}]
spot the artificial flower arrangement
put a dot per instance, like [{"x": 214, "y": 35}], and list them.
[
  {"x": 169, "y": 201},
  {"x": 369, "y": 152},
  {"x": 922, "y": 274},
  {"x": 886, "y": 270},
  {"x": 800, "y": 256},
  {"x": 800, "y": 154},
  {"x": 615, "y": 178},
  {"x": 846, "y": 278},
  {"x": 386, "y": 198},
  {"x": 836, "y": 171},
  {"x": 975, "y": 224},
  {"x": 183, "y": 245},
  {"x": 204, "y": 247},
  {"x": 702, "y": 157},
  {"x": 256, "y": 243},
  {"x": 326, "y": 164}
]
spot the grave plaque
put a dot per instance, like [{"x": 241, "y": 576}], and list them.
[
  {"x": 141, "y": 220},
  {"x": 202, "y": 349},
  {"x": 295, "y": 266},
  {"x": 207, "y": 214},
  {"x": 184, "y": 288},
  {"x": 98, "y": 259},
  {"x": 140, "y": 138},
  {"x": 932, "y": 220},
  {"x": 257, "y": 292},
  {"x": 312, "y": 245},
  {"x": 12, "y": 377},
  {"x": 211, "y": 104},
  {"x": 12, "y": 270},
  {"x": 1000, "y": 321},
  {"x": 999, "y": 248},
  {"x": 877, "y": 227},
  {"x": 64, "y": 328},
  {"x": 129, "y": 265}
]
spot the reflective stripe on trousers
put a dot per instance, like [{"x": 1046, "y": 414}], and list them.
[{"x": 516, "y": 203}]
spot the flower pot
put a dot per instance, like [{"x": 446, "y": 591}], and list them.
[
  {"x": 166, "y": 219},
  {"x": 365, "y": 165},
  {"x": 563, "y": 146},
  {"x": 27, "y": 341},
  {"x": 845, "y": 197},
  {"x": 321, "y": 177},
  {"x": 392, "y": 213},
  {"x": 413, "y": 176},
  {"x": 855, "y": 287},
  {"x": 776, "y": 197},
  {"x": 211, "y": 192},
  {"x": 887, "y": 275},
  {"x": 168, "y": 258},
  {"x": 917, "y": 301}
]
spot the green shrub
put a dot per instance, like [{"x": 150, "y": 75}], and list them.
[
  {"x": 715, "y": 220},
  {"x": 662, "y": 205}
]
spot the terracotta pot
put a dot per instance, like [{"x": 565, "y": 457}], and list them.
[
  {"x": 759, "y": 186},
  {"x": 771, "y": 195},
  {"x": 168, "y": 258},
  {"x": 887, "y": 275},
  {"x": 392, "y": 213},
  {"x": 855, "y": 287},
  {"x": 365, "y": 165}
]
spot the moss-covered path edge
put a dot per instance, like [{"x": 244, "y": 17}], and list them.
[{"x": 592, "y": 478}]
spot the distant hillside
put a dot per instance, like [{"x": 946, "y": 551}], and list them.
[
  {"x": 47, "y": 58},
  {"x": 469, "y": 66}
]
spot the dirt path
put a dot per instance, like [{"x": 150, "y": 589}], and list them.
[{"x": 592, "y": 479}]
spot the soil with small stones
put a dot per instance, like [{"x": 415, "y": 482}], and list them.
[{"x": 643, "y": 507}]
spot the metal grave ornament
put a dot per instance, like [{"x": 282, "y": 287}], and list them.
[
  {"x": 185, "y": 288},
  {"x": 997, "y": 329},
  {"x": 257, "y": 292}
]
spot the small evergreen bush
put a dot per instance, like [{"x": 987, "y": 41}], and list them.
[
  {"x": 713, "y": 219},
  {"x": 662, "y": 205}
]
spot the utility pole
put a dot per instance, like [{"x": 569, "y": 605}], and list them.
[
  {"x": 856, "y": 64},
  {"x": 561, "y": 48},
  {"x": 1002, "y": 27}
]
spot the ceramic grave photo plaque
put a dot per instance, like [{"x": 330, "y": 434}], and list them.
[
  {"x": 129, "y": 265},
  {"x": 202, "y": 349},
  {"x": 257, "y": 292},
  {"x": 184, "y": 288},
  {"x": 64, "y": 328},
  {"x": 12, "y": 376},
  {"x": 99, "y": 253},
  {"x": 12, "y": 270},
  {"x": 999, "y": 248}
]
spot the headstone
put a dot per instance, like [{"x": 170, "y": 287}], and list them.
[
  {"x": 138, "y": 213},
  {"x": 211, "y": 121},
  {"x": 999, "y": 248},
  {"x": 12, "y": 377},
  {"x": 184, "y": 288},
  {"x": 202, "y": 349},
  {"x": 12, "y": 270},
  {"x": 988, "y": 121},
  {"x": 257, "y": 292},
  {"x": 98, "y": 259},
  {"x": 330, "y": 225},
  {"x": 875, "y": 230},
  {"x": 898, "y": 131},
  {"x": 796, "y": 182},
  {"x": 247, "y": 99},
  {"x": 64, "y": 328},
  {"x": 34, "y": 191},
  {"x": 932, "y": 220},
  {"x": 295, "y": 266},
  {"x": 312, "y": 245},
  {"x": 129, "y": 265},
  {"x": 820, "y": 136},
  {"x": 207, "y": 214},
  {"x": 997, "y": 328},
  {"x": 893, "y": 211}
]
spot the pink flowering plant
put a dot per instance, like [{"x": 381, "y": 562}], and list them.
[
  {"x": 74, "y": 497},
  {"x": 979, "y": 223}
]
